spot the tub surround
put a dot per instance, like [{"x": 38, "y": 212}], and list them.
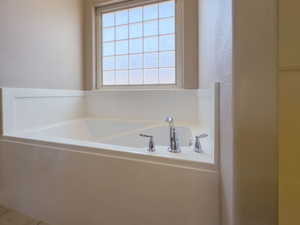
[
  {"x": 74, "y": 188},
  {"x": 25, "y": 109},
  {"x": 146, "y": 104},
  {"x": 62, "y": 144},
  {"x": 71, "y": 117}
]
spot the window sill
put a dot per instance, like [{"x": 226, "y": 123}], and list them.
[{"x": 149, "y": 89}]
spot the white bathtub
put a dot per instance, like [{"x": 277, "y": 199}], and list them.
[
  {"x": 123, "y": 137},
  {"x": 63, "y": 161}
]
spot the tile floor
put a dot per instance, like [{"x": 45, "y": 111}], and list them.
[{"x": 12, "y": 217}]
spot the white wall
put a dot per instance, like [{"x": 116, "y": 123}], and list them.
[
  {"x": 41, "y": 44},
  {"x": 215, "y": 42},
  {"x": 248, "y": 101},
  {"x": 215, "y": 64}
]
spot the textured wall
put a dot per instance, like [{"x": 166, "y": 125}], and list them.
[
  {"x": 41, "y": 44},
  {"x": 215, "y": 42}
]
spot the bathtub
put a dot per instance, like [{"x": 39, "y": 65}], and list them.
[
  {"x": 62, "y": 163},
  {"x": 122, "y": 137}
]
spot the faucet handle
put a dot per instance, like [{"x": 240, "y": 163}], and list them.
[
  {"x": 201, "y": 136},
  {"x": 151, "y": 147},
  {"x": 198, "y": 146}
]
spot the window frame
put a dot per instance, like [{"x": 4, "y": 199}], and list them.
[{"x": 114, "y": 5}]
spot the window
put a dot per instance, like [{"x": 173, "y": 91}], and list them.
[{"x": 137, "y": 44}]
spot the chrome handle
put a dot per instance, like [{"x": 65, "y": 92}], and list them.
[
  {"x": 198, "y": 146},
  {"x": 202, "y": 136},
  {"x": 145, "y": 135},
  {"x": 151, "y": 147}
]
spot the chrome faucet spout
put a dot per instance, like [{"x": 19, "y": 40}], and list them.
[{"x": 174, "y": 142}]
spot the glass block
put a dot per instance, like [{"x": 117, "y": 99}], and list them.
[
  {"x": 122, "y": 77},
  {"x": 151, "y": 76},
  {"x": 122, "y": 17},
  {"x": 167, "y": 43},
  {"x": 167, "y": 59},
  {"x": 109, "y": 77},
  {"x": 122, "y": 47},
  {"x": 108, "y": 48},
  {"x": 136, "y": 46},
  {"x": 135, "y": 30},
  {"x": 151, "y": 28},
  {"x": 166, "y": 9},
  {"x": 135, "y": 76},
  {"x": 108, "y": 34},
  {"x": 167, "y": 76},
  {"x": 151, "y": 12},
  {"x": 122, "y": 32},
  {"x": 108, "y": 63},
  {"x": 167, "y": 26},
  {"x": 151, "y": 44},
  {"x": 136, "y": 61},
  {"x": 150, "y": 60},
  {"x": 108, "y": 19},
  {"x": 135, "y": 15},
  {"x": 122, "y": 62}
]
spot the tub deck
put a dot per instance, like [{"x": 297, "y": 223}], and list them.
[{"x": 121, "y": 137}]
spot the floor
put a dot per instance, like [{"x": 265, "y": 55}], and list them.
[{"x": 12, "y": 217}]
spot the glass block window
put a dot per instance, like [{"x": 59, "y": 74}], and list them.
[{"x": 138, "y": 45}]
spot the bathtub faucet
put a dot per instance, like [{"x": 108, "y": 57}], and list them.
[
  {"x": 151, "y": 147},
  {"x": 174, "y": 142}
]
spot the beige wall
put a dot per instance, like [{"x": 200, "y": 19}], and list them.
[
  {"x": 41, "y": 44},
  {"x": 289, "y": 35},
  {"x": 289, "y": 111},
  {"x": 289, "y": 154},
  {"x": 255, "y": 111}
]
